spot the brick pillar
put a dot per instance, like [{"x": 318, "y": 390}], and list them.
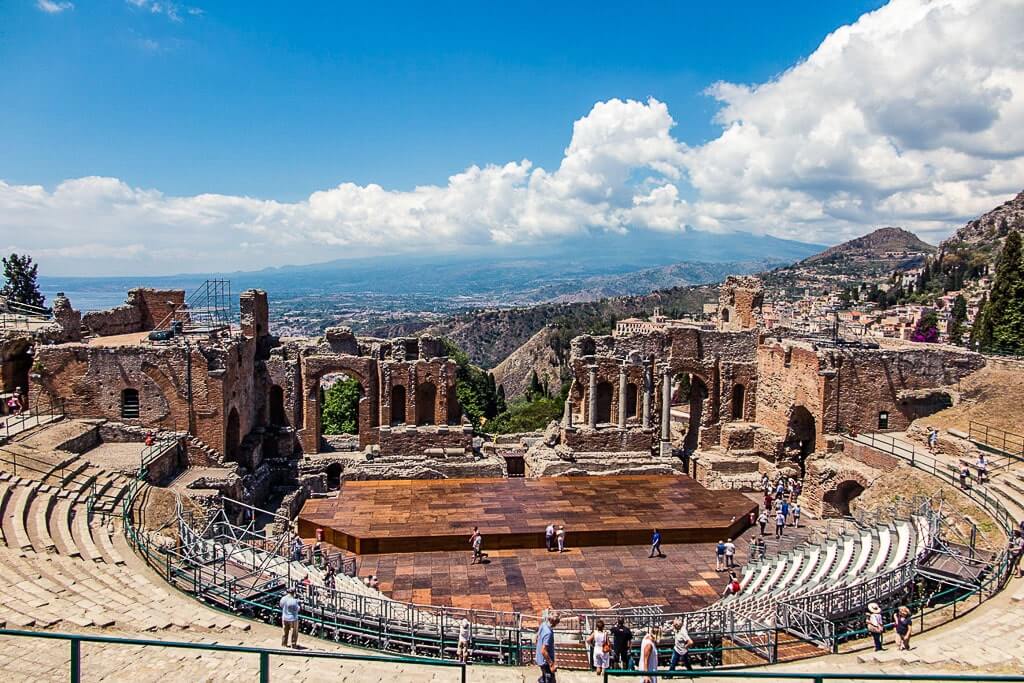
[
  {"x": 666, "y": 403},
  {"x": 568, "y": 413},
  {"x": 622, "y": 396},
  {"x": 648, "y": 388},
  {"x": 592, "y": 397}
]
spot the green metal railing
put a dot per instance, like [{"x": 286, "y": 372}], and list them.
[
  {"x": 997, "y": 439},
  {"x": 264, "y": 654},
  {"x": 817, "y": 677}
]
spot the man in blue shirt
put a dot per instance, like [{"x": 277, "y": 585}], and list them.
[
  {"x": 545, "y": 656},
  {"x": 656, "y": 544}
]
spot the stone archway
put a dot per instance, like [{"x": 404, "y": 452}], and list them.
[
  {"x": 603, "y": 394},
  {"x": 632, "y": 400},
  {"x": 232, "y": 436},
  {"x": 426, "y": 403},
  {"x": 836, "y": 501},
  {"x": 698, "y": 395},
  {"x": 362, "y": 370},
  {"x": 278, "y": 416},
  {"x": 739, "y": 394},
  {"x": 397, "y": 405},
  {"x": 801, "y": 436}
]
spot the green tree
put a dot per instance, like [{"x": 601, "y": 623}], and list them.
[
  {"x": 20, "y": 281},
  {"x": 1005, "y": 307},
  {"x": 957, "y": 319},
  {"x": 340, "y": 408},
  {"x": 981, "y": 330}
]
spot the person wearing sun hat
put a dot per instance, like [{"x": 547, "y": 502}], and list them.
[{"x": 875, "y": 624}]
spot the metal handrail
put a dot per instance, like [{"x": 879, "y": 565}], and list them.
[
  {"x": 817, "y": 677},
  {"x": 50, "y": 407},
  {"x": 999, "y": 439},
  {"x": 264, "y": 654}
]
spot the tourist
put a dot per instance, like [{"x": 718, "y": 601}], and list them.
[
  {"x": 733, "y": 587},
  {"x": 765, "y": 483},
  {"x": 780, "y": 523},
  {"x": 730, "y": 554},
  {"x": 649, "y": 653},
  {"x": 903, "y": 624},
  {"x": 476, "y": 542},
  {"x": 14, "y": 404},
  {"x": 1016, "y": 550},
  {"x": 719, "y": 556},
  {"x": 779, "y": 488},
  {"x": 762, "y": 520},
  {"x": 545, "y": 653},
  {"x": 149, "y": 439},
  {"x": 796, "y": 515},
  {"x": 933, "y": 439},
  {"x": 297, "y": 548},
  {"x": 656, "y": 544},
  {"x": 465, "y": 630},
  {"x": 622, "y": 638},
  {"x": 329, "y": 576},
  {"x": 761, "y": 547},
  {"x": 318, "y": 554},
  {"x": 600, "y": 641},
  {"x": 374, "y": 582},
  {"x": 549, "y": 537},
  {"x": 560, "y": 537},
  {"x": 875, "y": 624},
  {"x": 982, "y": 467},
  {"x": 681, "y": 646},
  {"x": 289, "y": 619},
  {"x": 784, "y": 509},
  {"x": 798, "y": 488},
  {"x": 965, "y": 475},
  {"x": 768, "y": 500}
]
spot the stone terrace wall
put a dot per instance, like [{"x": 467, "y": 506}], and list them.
[{"x": 143, "y": 310}]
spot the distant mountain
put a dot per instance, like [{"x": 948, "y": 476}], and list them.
[
  {"x": 878, "y": 245},
  {"x": 987, "y": 231}
]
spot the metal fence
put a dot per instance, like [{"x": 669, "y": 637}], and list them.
[
  {"x": 999, "y": 439},
  {"x": 45, "y": 408}
]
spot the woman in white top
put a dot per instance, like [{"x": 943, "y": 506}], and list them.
[
  {"x": 649, "y": 653},
  {"x": 602, "y": 645}
]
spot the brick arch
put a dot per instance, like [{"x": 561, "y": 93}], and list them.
[
  {"x": 361, "y": 369},
  {"x": 835, "y": 499}
]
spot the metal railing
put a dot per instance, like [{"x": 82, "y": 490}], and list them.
[
  {"x": 44, "y": 407},
  {"x": 264, "y": 654},
  {"x": 15, "y": 315},
  {"x": 998, "y": 439},
  {"x": 818, "y": 677}
]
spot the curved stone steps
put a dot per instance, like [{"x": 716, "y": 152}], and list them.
[
  {"x": 101, "y": 533},
  {"x": 60, "y": 528},
  {"x": 5, "y": 494},
  {"x": 83, "y": 537},
  {"x": 14, "y": 514},
  {"x": 38, "y": 520}
]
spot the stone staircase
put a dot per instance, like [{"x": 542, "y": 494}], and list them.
[{"x": 63, "y": 567}]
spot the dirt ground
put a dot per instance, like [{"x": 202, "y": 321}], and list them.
[{"x": 994, "y": 395}]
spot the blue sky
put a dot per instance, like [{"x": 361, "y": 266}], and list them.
[
  {"x": 136, "y": 132},
  {"x": 277, "y": 99}
]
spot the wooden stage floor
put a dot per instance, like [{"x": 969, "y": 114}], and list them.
[{"x": 415, "y": 516}]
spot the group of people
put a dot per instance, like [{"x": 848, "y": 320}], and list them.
[
  {"x": 981, "y": 465},
  {"x": 902, "y": 622},
  {"x": 781, "y": 503},
  {"x": 16, "y": 402},
  {"x": 554, "y": 538}
]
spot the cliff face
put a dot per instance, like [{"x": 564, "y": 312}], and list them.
[
  {"x": 988, "y": 230},
  {"x": 536, "y": 355}
]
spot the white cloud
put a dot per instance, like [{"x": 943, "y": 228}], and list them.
[
  {"x": 912, "y": 116},
  {"x": 54, "y": 7},
  {"x": 171, "y": 10}
]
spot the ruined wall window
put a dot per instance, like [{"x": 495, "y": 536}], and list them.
[
  {"x": 632, "y": 394},
  {"x": 725, "y": 315},
  {"x": 426, "y": 403},
  {"x": 398, "y": 405},
  {"x": 883, "y": 419},
  {"x": 232, "y": 437},
  {"x": 604, "y": 402},
  {"x": 277, "y": 412},
  {"x": 738, "y": 396},
  {"x": 130, "y": 404}
]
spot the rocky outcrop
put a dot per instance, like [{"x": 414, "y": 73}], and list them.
[{"x": 535, "y": 356}]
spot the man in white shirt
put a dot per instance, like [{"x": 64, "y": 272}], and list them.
[
  {"x": 464, "y": 634},
  {"x": 549, "y": 537},
  {"x": 730, "y": 554},
  {"x": 681, "y": 646}
]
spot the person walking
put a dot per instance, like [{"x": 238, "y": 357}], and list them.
[
  {"x": 476, "y": 541},
  {"x": 982, "y": 467},
  {"x": 875, "y": 625},
  {"x": 796, "y": 515},
  {"x": 297, "y": 548},
  {"x": 719, "y": 556},
  {"x": 544, "y": 657},
  {"x": 560, "y": 537},
  {"x": 965, "y": 475},
  {"x": 784, "y": 508},
  {"x": 289, "y": 619},
  {"x": 465, "y": 634},
  {"x": 649, "y": 654},
  {"x": 681, "y": 646},
  {"x": 601, "y": 643},
  {"x": 762, "y": 520},
  {"x": 730, "y": 554},
  {"x": 622, "y": 638},
  {"x": 903, "y": 626},
  {"x": 549, "y": 537},
  {"x": 656, "y": 544},
  {"x": 780, "y": 523}
]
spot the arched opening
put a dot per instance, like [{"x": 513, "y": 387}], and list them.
[
  {"x": 340, "y": 397},
  {"x": 725, "y": 315},
  {"x": 632, "y": 395},
  {"x": 130, "y": 408},
  {"x": 232, "y": 437},
  {"x": 277, "y": 412},
  {"x": 739, "y": 394},
  {"x": 397, "y": 405},
  {"x": 698, "y": 394},
  {"x": 333, "y": 473},
  {"x": 426, "y": 403},
  {"x": 838, "y": 500},
  {"x": 603, "y": 411},
  {"x": 800, "y": 436},
  {"x": 454, "y": 407}
]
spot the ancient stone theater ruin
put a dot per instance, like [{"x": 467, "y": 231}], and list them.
[{"x": 200, "y": 432}]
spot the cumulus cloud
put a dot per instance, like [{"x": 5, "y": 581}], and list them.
[
  {"x": 912, "y": 116},
  {"x": 171, "y": 10},
  {"x": 52, "y": 7}
]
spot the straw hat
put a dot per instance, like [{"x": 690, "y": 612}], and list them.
[{"x": 874, "y": 608}]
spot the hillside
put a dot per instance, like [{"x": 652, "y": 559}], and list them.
[
  {"x": 490, "y": 336},
  {"x": 537, "y": 355},
  {"x": 879, "y": 245},
  {"x": 986, "y": 232}
]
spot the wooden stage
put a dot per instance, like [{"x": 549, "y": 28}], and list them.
[{"x": 426, "y": 515}]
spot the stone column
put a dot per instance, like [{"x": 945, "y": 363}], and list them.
[
  {"x": 666, "y": 403},
  {"x": 568, "y": 413},
  {"x": 623, "y": 391},
  {"x": 592, "y": 397},
  {"x": 648, "y": 388}
]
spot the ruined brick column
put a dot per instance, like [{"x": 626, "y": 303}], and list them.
[
  {"x": 592, "y": 397},
  {"x": 666, "y": 403},
  {"x": 568, "y": 413},
  {"x": 648, "y": 388},
  {"x": 622, "y": 396}
]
